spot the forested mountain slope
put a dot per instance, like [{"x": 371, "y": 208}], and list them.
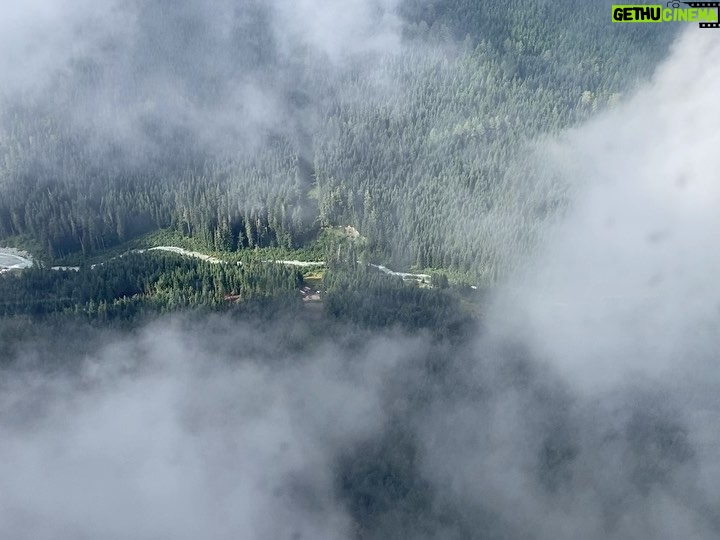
[{"x": 422, "y": 148}]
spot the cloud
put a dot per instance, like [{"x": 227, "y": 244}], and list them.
[
  {"x": 160, "y": 437},
  {"x": 145, "y": 77},
  {"x": 588, "y": 409},
  {"x": 38, "y": 38},
  {"x": 626, "y": 285},
  {"x": 339, "y": 30}
]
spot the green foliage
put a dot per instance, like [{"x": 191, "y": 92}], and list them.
[
  {"x": 433, "y": 169},
  {"x": 128, "y": 286},
  {"x": 439, "y": 280},
  {"x": 372, "y": 299}
]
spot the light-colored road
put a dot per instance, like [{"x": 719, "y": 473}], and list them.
[
  {"x": 404, "y": 275},
  {"x": 301, "y": 264},
  {"x": 186, "y": 252},
  {"x": 215, "y": 260},
  {"x": 14, "y": 259}
]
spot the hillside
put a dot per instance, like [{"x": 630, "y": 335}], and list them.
[{"x": 425, "y": 147}]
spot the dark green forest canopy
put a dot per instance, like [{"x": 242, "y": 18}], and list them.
[
  {"x": 130, "y": 290},
  {"x": 423, "y": 150},
  {"x": 136, "y": 283}
]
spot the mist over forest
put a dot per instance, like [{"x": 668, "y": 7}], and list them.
[
  {"x": 253, "y": 124},
  {"x": 378, "y": 269}
]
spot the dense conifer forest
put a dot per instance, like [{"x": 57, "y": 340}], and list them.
[
  {"x": 424, "y": 151},
  {"x": 356, "y": 270}
]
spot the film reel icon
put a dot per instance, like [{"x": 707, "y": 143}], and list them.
[{"x": 676, "y": 4}]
